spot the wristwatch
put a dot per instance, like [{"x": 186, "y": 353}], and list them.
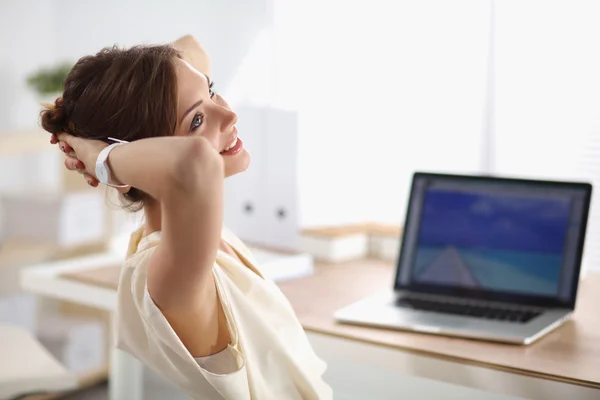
[{"x": 102, "y": 170}]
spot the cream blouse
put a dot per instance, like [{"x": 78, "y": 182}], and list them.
[{"x": 270, "y": 356}]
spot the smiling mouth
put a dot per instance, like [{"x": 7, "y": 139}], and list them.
[
  {"x": 231, "y": 145},
  {"x": 234, "y": 146}
]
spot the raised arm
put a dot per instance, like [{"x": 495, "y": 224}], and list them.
[
  {"x": 193, "y": 52},
  {"x": 186, "y": 175}
]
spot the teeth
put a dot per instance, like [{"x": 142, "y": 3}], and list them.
[{"x": 232, "y": 145}]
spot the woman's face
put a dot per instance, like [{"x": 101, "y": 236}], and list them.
[{"x": 205, "y": 113}]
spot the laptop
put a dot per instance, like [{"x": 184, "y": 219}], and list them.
[{"x": 485, "y": 258}]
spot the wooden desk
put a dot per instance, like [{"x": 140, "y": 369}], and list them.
[{"x": 569, "y": 354}]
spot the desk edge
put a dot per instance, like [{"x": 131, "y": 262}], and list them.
[{"x": 517, "y": 371}]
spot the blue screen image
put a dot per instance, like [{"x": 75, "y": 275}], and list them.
[{"x": 492, "y": 241}]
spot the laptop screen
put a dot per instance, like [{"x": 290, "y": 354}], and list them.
[{"x": 502, "y": 238}]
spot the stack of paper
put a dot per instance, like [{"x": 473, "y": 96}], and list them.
[{"x": 280, "y": 266}]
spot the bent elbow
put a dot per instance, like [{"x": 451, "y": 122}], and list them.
[{"x": 196, "y": 164}]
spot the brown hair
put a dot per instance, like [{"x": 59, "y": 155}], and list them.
[{"x": 128, "y": 94}]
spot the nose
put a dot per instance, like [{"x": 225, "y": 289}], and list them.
[{"x": 228, "y": 119}]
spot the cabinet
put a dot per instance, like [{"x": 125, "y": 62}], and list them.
[
  {"x": 261, "y": 204},
  {"x": 45, "y": 209}
]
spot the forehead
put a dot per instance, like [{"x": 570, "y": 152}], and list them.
[{"x": 191, "y": 83}]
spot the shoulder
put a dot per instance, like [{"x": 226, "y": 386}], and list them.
[
  {"x": 235, "y": 241},
  {"x": 138, "y": 243}
]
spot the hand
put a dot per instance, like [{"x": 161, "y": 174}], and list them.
[
  {"x": 72, "y": 162},
  {"x": 193, "y": 53},
  {"x": 81, "y": 156}
]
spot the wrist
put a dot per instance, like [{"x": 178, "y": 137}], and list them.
[{"x": 103, "y": 170}]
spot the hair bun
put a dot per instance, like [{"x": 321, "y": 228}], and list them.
[{"x": 54, "y": 117}]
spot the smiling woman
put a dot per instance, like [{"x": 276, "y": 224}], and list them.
[{"x": 193, "y": 304}]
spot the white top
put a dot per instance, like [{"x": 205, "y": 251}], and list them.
[{"x": 269, "y": 357}]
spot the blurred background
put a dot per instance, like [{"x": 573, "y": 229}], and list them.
[{"x": 339, "y": 103}]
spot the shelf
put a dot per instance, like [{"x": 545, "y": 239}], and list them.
[
  {"x": 16, "y": 253},
  {"x": 24, "y": 141},
  {"x": 377, "y": 229}
]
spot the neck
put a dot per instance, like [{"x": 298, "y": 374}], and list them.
[{"x": 153, "y": 214}]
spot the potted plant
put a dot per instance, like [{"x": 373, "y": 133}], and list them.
[{"x": 48, "y": 82}]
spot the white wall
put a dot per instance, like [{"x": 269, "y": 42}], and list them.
[
  {"x": 383, "y": 89},
  {"x": 380, "y": 90},
  {"x": 547, "y": 85},
  {"x": 38, "y": 34},
  {"x": 35, "y": 34},
  {"x": 226, "y": 28},
  {"x": 27, "y": 41},
  {"x": 547, "y": 120},
  {"x": 358, "y": 84}
]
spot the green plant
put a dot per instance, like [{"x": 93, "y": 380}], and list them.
[{"x": 47, "y": 81}]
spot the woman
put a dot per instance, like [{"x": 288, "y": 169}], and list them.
[{"x": 193, "y": 304}]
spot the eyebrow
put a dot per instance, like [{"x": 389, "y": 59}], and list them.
[{"x": 189, "y": 110}]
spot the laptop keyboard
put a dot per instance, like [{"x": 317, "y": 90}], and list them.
[{"x": 447, "y": 306}]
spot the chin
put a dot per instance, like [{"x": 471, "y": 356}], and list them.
[{"x": 237, "y": 164}]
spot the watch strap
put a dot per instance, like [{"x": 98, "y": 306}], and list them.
[{"x": 102, "y": 162}]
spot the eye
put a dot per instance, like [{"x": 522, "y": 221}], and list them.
[
  {"x": 196, "y": 122},
  {"x": 211, "y": 92}
]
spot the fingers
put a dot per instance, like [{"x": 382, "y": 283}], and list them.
[
  {"x": 65, "y": 148},
  {"x": 90, "y": 180},
  {"x": 63, "y": 136},
  {"x": 62, "y": 144},
  {"x": 73, "y": 164},
  {"x": 68, "y": 139}
]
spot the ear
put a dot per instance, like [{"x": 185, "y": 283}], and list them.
[{"x": 193, "y": 53}]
